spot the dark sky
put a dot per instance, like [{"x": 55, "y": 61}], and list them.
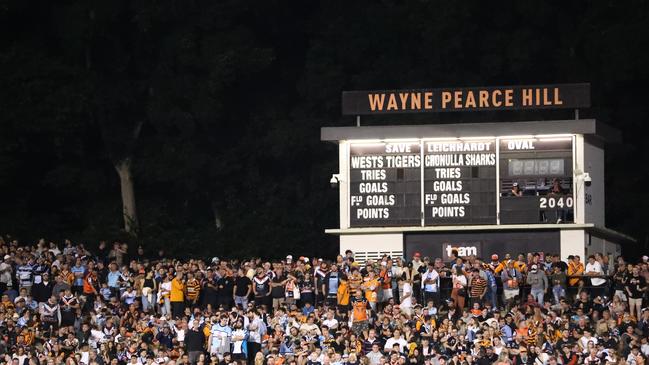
[{"x": 217, "y": 105}]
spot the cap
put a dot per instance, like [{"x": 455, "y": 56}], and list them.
[
  {"x": 534, "y": 267},
  {"x": 7, "y": 257},
  {"x": 306, "y": 259},
  {"x": 494, "y": 257},
  {"x": 645, "y": 258},
  {"x": 515, "y": 184},
  {"x": 215, "y": 259},
  {"x": 289, "y": 257},
  {"x": 417, "y": 254}
]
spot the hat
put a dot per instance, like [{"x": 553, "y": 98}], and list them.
[
  {"x": 289, "y": 257},
  {"x": 494, "y": 257},
  {"x": 515, "y": 184},
  {"x": 644, "y": 258},
  {"x": 417, "y": 254},
  {"x": 306, "y": 259},
  {"x": 215, "y": 259},
  {"x": 534, "y": 267}
]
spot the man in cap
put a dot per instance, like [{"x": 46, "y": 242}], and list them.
[{"x": 538, "y": 282}]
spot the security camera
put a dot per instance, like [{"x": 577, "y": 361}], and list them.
[
  {"x": 334, "y": 180},
  {"x": 587, "y": 180}
]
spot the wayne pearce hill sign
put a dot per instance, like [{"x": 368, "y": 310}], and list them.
[{"x": 571, "y": 96}]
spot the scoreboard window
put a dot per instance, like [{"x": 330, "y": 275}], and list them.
[
  {"x": 459, "y": 180},
  {"x": 536, "y": 180},
  {"x": 385, "y": 184}
]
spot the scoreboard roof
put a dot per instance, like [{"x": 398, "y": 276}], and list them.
[{"x": 590, "y": 127}]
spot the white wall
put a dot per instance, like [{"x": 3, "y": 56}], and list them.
[
  {"x": 594, "y": 194},
  {"x": 343, "y": 184},
  {"x": 372, "y": 246},
  {"x": 578, "y": 192},
  {"x": 573, "y": 242}
]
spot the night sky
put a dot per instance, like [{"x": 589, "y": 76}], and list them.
[{"x": 215, "y": 107}]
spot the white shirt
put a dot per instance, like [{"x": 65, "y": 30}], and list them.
[
  {"x": 391, "y": 342},
  {"x": 595, "y": 267},
  {"x": 428, "y": 275},
  {"x": 407, "y": 289},
  {"x": 583, "y": 341},
  {"x": 331, "y": 323}
]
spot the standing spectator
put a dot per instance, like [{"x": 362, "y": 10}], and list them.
[
  {"x": 277, "y": 284},
  {"x": 192, "y": 289},
  {"x": 50, "y": 315},
  {"x": 220, "y": 337},
  {"x": 148, "y": 286},
  {"x": 478, "y": 288},
  {"x": 430, "y": 284},
  {"x": 538, "y": 282},
  {"x": 459, "y": 293},
  {"x": 330, "y": 285},
  {"x": 575, "y": 269},
  {"x": 242, "y": 290},
  {"x": 492, "y": 287},
  {"x": 79, "y": 272},
  {"x": 177, "y": 295},
  {"x": 619, "y": 282},
  {"x": 635, "y": 286},
  {"x": 194, "y": 341},
  {"x": 558, "y": 280},
  {"x": 261, "y": 288},
  {"x": 164, "y": 295},
  {"x": 225, "y": 287},
  {"x": 417, "y": 267},
  {"x": 307, "y": 294},
  {"x": 113, "y": 278},
  {"x": 385, "y": 277},
  {"x": 25, "y": 275},
  {"x": 68, "y": 306},
  {"x": 5, "y": 273},
  {"x": 43, "y": 290},
  {"x": 511, "y": 278},
  {"x": 371, "y": 285},
  {"x": 595, "y": 271},
  {"x": 239, "y": 346},
  {"x": 359, "y": 313}
]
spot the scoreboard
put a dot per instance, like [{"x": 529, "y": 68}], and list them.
[
  {"x": 470, "y": 181},
  {"x": 385, "y": 181},
  {"x": 458, "y": 182}
]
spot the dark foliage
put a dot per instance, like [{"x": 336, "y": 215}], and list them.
[{"x": 230, "y": 96}]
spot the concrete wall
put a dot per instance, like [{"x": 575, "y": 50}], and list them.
[
  {"x": 372, "y": 246},
  {"x": 343, "y": 184},
  {"x": 594, "y": 194},
  {"x": 573, "y": 243}
]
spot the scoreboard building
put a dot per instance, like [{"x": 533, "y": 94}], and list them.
[{"x": 479, "y": 188}]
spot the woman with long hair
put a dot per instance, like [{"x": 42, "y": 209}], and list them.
[{"x": 458, "y": 294}]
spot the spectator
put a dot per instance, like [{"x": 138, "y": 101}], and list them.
[{"x": 71, "y": 327}]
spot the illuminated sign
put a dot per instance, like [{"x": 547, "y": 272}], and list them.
[{"x": 466, "y": 99}]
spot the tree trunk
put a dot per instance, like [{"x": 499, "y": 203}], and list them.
[
  {"x": 128, "y": 195},
  {"x": 217, "y": 217}
]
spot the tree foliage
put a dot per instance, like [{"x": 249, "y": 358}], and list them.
[{"x": 218, "y": 105}]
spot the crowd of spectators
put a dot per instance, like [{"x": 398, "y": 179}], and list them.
[{"x": 68, "y": 305}]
